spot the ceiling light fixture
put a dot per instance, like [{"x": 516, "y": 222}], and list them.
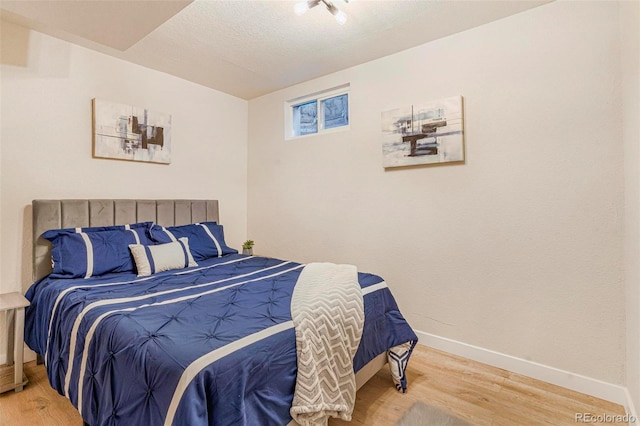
[{"x": 301, "y": 8}]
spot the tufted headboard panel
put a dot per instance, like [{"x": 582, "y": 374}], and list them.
[{"x": 57, "y": 214}]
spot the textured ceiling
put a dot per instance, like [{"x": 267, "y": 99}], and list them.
[
  {"x": 105, "y": 22},
  {"x": 248, "y": 48}
]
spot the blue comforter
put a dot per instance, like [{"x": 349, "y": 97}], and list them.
[{"x": 213, "y": 344}]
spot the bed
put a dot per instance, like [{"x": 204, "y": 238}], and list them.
[{"x": 215, "y": 343}]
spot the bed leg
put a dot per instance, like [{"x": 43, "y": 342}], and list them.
[{"x": 39, "y": 360}]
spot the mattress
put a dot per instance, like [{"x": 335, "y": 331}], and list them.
[{"x": 214, "y": 344}]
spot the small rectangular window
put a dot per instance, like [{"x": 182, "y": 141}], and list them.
[
  {"x": 336, "y": 111},
  {"x": 321, "y": 112},
  {"x": 305, "y": 118}
]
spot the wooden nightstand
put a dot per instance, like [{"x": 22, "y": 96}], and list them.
[{"x": 11, "y": 375}]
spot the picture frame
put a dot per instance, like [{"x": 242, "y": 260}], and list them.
[
  {"x": 424, "y": 133},
  {"x": 125, "y": 132}
]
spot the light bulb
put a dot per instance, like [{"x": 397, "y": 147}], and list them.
[
  {"x": 300, "y": 8},
  {"x": 341, "y": 17}
]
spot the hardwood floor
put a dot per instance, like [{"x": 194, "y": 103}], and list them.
[
  {"x": 478, "y": 393},
  {"x": 37, "y": 404},
  {"x": 475, "y": 392}
]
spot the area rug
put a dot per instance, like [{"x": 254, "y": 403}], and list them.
[{"x": 424, "y": 415}]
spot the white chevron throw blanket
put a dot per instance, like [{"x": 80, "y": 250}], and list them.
[{"x": 328, "y": 314}]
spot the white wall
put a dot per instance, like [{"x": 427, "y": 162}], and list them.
[
  {"x": 630, "y": 64},
  {"x": 518, "y": 250},
  {"x": 46, "y": 151}
]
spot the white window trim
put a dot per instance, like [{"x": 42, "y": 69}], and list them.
[{"x": 318, "y": 97}]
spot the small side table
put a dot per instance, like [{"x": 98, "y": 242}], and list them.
[{"x": 13, "y": 304}]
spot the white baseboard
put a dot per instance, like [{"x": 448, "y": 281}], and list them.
[
  {"x": 566, "y": 379},
  {"x": 631, "y": 409}
]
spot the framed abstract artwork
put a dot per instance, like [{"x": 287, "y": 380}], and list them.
[
  {"x": 424, "y": 133},
  {"x": 126, "y": 132}
]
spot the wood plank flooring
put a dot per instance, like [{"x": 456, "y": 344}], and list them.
[
  {"x": 478, "y": 393},
  {"x": 475, "y": 392}
]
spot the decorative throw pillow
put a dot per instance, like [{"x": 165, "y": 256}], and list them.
[
  {"x": 87, "y": 252},
  {"x": 162, "y": 257},
  {"x": 206, "y": 239}
]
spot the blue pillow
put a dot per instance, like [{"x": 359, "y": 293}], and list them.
[
  {"x": 88, "y": 252},
  {"x": 206, "y": 239}
]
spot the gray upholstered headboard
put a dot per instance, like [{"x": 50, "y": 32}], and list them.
[{"x": 57, "y": 214}]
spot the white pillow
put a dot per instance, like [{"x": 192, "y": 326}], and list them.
[{"x": 162, "y": 257}]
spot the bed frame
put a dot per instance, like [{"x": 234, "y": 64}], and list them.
[{"x": 58, "y": 214}]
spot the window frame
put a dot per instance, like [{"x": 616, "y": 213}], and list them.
[{"x": 318, "y": 97}]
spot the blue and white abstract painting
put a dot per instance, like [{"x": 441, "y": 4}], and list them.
[{"x": 424, "y": 133}]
